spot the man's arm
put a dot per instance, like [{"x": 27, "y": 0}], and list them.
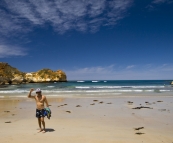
[
  {"x": 46, "y": 102},
  {"x": 29, "y": 95}
]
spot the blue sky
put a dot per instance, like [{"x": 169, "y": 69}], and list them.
[{"x": 89, "y": 39}]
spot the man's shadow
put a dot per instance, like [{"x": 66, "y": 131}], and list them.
[{"x": 49, "y": 130}]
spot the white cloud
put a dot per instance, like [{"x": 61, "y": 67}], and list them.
[
  {"x": 62, "y": 15},
  {"x": 131, "y": 66},
  {"x": 8, "y": 51},
  {"x": 160, "y": 1},
  {"x": 89, "y": 72},
  {"x": 154, "y": 3},
  {"x": 112, "y": 72}
]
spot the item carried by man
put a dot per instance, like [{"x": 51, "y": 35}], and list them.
[{"x": 47, "y": 112}]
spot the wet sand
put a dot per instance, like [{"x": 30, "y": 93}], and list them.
[{"x": 137, "y": 119}]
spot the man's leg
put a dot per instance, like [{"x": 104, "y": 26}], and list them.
[
  {"x": 43, "y": 123},
  {"x": 39, "y": 123}
]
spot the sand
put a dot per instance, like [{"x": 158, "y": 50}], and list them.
[{"x": 84, "y": 120}]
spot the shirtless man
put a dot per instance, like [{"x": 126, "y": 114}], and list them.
[{"x": 40, "y": 99}]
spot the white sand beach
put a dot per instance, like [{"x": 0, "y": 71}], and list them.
[{"x": 76, "y": 120}]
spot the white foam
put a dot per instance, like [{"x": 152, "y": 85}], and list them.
[
  {"x": 56, "y": 91},
  {"x": 82, "y": 87},
  {"x": 127, "y": 90},
  {"x": 111, "y": 87},
  {"x": 164, "y": 90},
  {"x": 116, "y": 87},
  {"x": 95, "y": 81},
  {"x": 106, "y": 91},
  {"x": 51, "y": 86},
  {"x": 111, "y": 91},
  {"x": 138, "y": 90},
  {"x": 147, "y": 86},
  {"x": 80, "y": 81},
  {"x": 14, "y": 91},
  {"x": 87, "y": 89},
  {"x": 105, "y": 81},
  {"x": 149, "y": 91},
  {"x": 124, "y": 90},
  {"x": 120, "y": 87}
]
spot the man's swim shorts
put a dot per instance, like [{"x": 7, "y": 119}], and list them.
[{"x": 40, "y": 113}]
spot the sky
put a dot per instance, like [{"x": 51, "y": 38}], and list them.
[{"x": 89, "y": 39}]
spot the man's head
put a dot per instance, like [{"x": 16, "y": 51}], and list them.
[{"x": 38, "y": 91}]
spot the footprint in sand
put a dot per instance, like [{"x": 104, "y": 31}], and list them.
[
  {"x": 78, "y": 106},
  {"x": 92, "y": 104},
  {"x": 101, "y": 102},
  {"x": 95, "y": 100}
]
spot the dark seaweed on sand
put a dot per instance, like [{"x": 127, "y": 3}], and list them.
[
  {"x": 139, "y": 128},
  {"x": 8, "y": 122},
  {"x": 139, "y": 133},
  {"x": 7, "y": 111},
  {"x": 68, "y": 111},
  {"x": 142, "y": 107}
]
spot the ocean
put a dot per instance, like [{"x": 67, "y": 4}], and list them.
[{"x": 92, "y": 88}]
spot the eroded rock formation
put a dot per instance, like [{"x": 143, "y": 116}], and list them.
[
  {"x": 45, "y": 75},
  {"x": 11, "y": 75}
]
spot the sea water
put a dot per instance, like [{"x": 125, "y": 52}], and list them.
[{"x": 91, "y": 88}]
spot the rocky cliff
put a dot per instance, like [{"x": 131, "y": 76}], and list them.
[
  {"x": 11, "y": 75},
  {"x": 45, "y": 75}
]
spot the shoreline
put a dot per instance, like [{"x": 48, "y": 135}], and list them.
[{"x": 110, "y": 120}]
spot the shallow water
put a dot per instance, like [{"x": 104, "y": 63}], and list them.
[{"x": 92, "y": 88}]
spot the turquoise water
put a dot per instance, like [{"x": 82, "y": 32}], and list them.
[{"x": 91, "y": 88}]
